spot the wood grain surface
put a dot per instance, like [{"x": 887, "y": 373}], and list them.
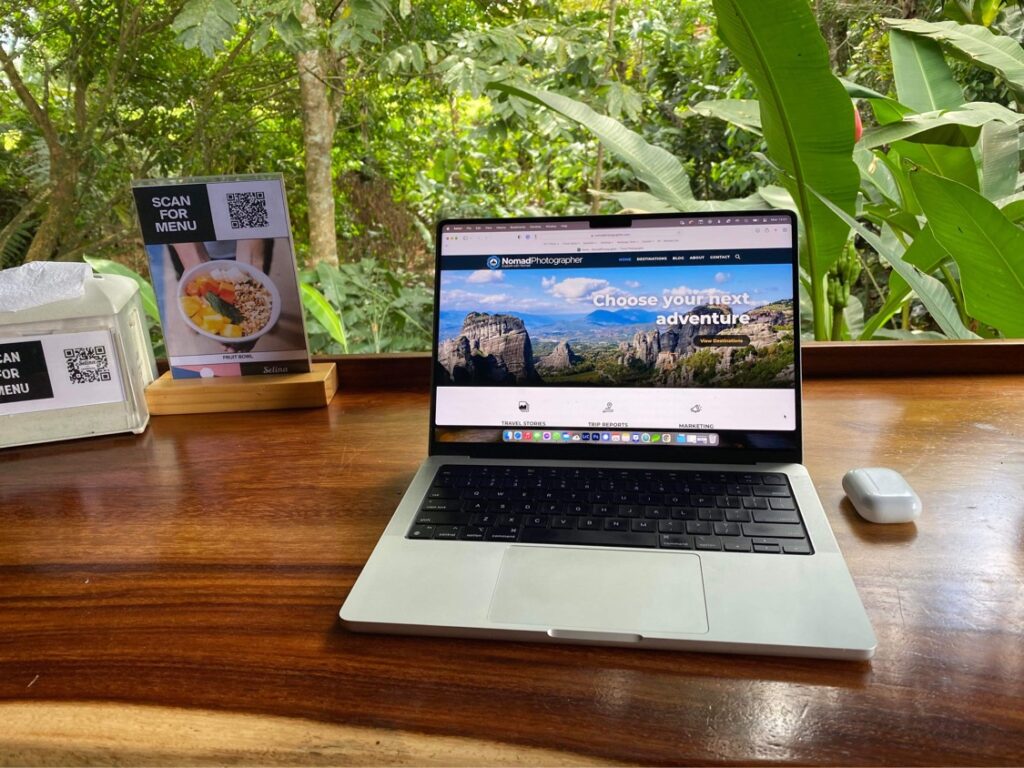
[{"x": 172, "y": 598}]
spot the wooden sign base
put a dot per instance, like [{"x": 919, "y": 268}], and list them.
[{"x": 243, "y": 393}]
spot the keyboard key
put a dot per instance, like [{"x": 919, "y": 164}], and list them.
[
  {"x": 645, "y": 525},
  {"x": 443, "y": 493},
  {"x": 591, "y": 538},
  {"x": 421, "y": 532},
  {"x": 503, "y": 533},
  {"x": 707, "y": 542},
  {"x": 773, "y": 478},
  {"x": 738, "y": 515},
  {"x": 773, "y": 530},
  {"x": 727, "y": 502},
  {"x": 684, "y": 513},
  {"x": 727, "y": 529},
  {"x": 796, "y": 547},
  {"x": 710, "y": 514},
  {"x": 699, "y": 527},
  {"x": 441, "y": 505},
  {"x": 590, "y": 524},
  {"x": 616, "y": 524},
  {"x": 672, "y": 541},
  {"x": 563, "y": 522},
  {"x": 784, "y": 504},
  {"x": 655, "y": 513},
  {"x": 485, "y": 520},
  {"x": 754, "y": 503},
  {"x": 700, "y": 500},
  {"x": 775, "y": 516},
  {"x": 441, "y": 518},
  {"x": 537, "y": 521},
  {"x": 671, "y": 526},
  {"x": 738, "y": 544},
  {"x": 767, "y": 548},
  {"x": 446, "y": 532},
  {"x": 771, "y": 490},
  {"x": 473, "y": 533}
]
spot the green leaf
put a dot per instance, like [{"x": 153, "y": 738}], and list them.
[
  {"x": 857, "y": 91},
  {"x": 206, "y": 24},
  {"x": 924, "y": 81},
  {"x": 108, "y": 267},
  {"x": 931, "y": 292},
  {"x": 324, "y": 313},
  {"x": 874, "y": 170},
  {"x": 743, "y": 113},
  {"x": 659, "y": 169},
  {"x": 986, "y": 246},
  {"x": 925, "y": 254},
  {"x": 978, "y": 45},
  {"x": 807, "y": 119},
  {"x": 957, "y": 127},
  {"x": 1000, "y": 157}
]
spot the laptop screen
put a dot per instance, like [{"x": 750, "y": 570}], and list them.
[{"x": 668, "y": 337}]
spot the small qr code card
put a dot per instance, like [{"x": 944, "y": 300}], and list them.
[
  {"x": 223, "y": 266},
  {"x": 60, "y": 370}
]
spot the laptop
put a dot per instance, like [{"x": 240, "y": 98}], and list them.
[{"x": 615, "y": 446}]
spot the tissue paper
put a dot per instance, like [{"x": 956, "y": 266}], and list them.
[{"x": 41, "y": 282}]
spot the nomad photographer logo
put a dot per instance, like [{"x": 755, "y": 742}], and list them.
[{"x": 511, "y": 262}]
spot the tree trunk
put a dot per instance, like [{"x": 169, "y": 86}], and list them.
[
  {"x": 318, "y": 140},
  {"x": 60, "y": 209}
]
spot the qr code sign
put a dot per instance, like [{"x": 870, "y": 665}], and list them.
[
  {"x": 247, "y": 210},
  {"x": 87, "y": 365}
]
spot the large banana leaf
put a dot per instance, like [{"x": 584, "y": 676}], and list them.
[
  {"x": 1000, "y": 156},
  {"x": 743, "y": 113},
  {"x": 986, "y": 246},
  {"x": 146, "y": 293},
  {"x": 807, "y": 119},
  {"x": 956, "y": 127},
  {"x": 931, "y": 292},
  {"x": 980, "y": 46},
  {"x": 924, "y": 81},
  {"x": 659, "y": 169}
]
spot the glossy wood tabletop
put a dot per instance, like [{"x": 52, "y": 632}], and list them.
[{"x": 172, "y": 598}]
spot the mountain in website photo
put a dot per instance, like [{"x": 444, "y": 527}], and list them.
[
  {"x": 498, "y": 350},
  {"x": 590, "y": 328}
]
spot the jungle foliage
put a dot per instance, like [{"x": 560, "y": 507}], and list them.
[{"x": 467, "y": 108}]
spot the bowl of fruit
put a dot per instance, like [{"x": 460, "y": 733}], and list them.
[{"x": 229, "y": 301}]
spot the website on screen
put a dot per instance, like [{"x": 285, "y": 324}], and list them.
[{"x": 671, "y": 331}]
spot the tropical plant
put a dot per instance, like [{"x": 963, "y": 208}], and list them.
[{"x": 366, "y": 307}]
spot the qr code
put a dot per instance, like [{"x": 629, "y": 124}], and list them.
[
  {"x": 247, "y": 210},
  {"x": 87, "y": 365}
]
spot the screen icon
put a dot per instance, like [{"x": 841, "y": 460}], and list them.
[
  {"x": 645, "y": 438},
  {"x": 566, "y": 436},
  {"x": 536, "y": 435},
  {"x": 527, "y": 435},
  {"x": 656, "y": 438},
  {"x": 508, "y": 435},
  {"x": 517, "y": 435},
  {"x": 635, "y": 437},
  {"x": 666, "y": 438},
  {"x": 524, "y": 406},
  {"x": 595, "y": 436},
  {"x": 606, "y": 436},
  {"x": 616, "y": 437},
  {"x": 586, "y": 436},
  {"x": 547, "y": 435}
]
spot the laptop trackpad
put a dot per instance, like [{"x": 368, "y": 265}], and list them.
[{"x": 607, "y": 590}]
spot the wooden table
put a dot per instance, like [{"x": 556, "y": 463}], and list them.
[{"x": 172, "y": 598}]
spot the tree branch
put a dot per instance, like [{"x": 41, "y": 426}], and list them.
[{"x": 36, "y": 112}]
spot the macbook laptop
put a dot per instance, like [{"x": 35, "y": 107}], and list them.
[{"x": 615, "y": 446}]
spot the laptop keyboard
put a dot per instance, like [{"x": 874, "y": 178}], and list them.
[{"x": 666, "y": 509}]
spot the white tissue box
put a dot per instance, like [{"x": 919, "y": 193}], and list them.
[{"x": 76, "y": 367}]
